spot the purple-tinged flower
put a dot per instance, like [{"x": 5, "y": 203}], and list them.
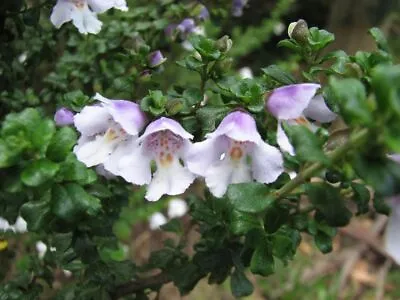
[
  {"x": 156, "y": 59},
  {"x": 82, "y": 13},
  {"x": 166, "y": 143},
  {"x": 237, "y": 7},
  {"x": 234, "y": 153},
  {"x": 294, "y": 103},
  {"x": 63, "y": 117},
  {"x": 204, "y": 14},
  {"x": 108, "y": 131},
  {"x": 187, "y": 26}
]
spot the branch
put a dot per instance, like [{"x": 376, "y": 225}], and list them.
[
  {"x": 139, "y": 285},
  {"x": 354, "y": 141}
]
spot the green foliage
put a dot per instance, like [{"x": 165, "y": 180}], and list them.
[{"x": 88, "y": 221}]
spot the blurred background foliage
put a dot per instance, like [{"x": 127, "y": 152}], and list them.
[{"x": 43, "y": 67}]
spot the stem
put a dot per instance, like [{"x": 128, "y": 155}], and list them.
[
  {"x": 354, "y": 141},
  {"x": 139, "y": 285}
]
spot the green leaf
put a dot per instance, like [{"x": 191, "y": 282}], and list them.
[
  {"x": 39, "y": 172},
  {"x": 351, "y": 96},
  {"x": 242, "y": 222},
  {"x": 210, "y": 116},
  {"x": 329, "y": 203},
  {"x": 290, "y": 44},
  {"x": 323, "y": 242},
  {"x": 240, "y": 285},
  {"x": 379, "y": 38},
  {"x": 7, "y": 156},
  {"x": 381, "y": 205},
  {"x": 252, "y": 197},
  {"x": 277, "y": 74},
  {"x": 192, "y": 96},
  {"x": 308, "y": 146},
  {"x": 173, "y": 225},
  {"x": 262, "y": 261},
  {"x": 191, "y": 63},
  {"x": 275, "y": 216},
  {"x": 207, "y": 48},
  {"x": 319, "y": 39},
  {"x": 74, "y": 170},
  {"x": 122, "y": 230},
  {"x": 154, "y": 103},
  {"x": 61, "y": 144},
  {"x": 71, "y": 201},
  {"x": 285, "y": 243},
  {"x": 361, "y": 197},
  {"x": 36, "y": 214}
]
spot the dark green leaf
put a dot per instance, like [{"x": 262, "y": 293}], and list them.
[
  {"x": 277, "y": 74},
  {"x": 39, "y": 172},
  {"x": 242, "y": 222},
  {"x": 328, "y": 201},
  {"x": 361, "y": 197},
  {"x": 351, "y": 97},
  {"x": 308, "y": 146},
  {"x": 36, "y": 214},
  {"x": 262, "y": 261},
  {"x": 249, "y": 197},
  {"x": 173, "y": 225},
  {"x": 240, "y": 285},
  {"x": 210, "y": 116},
  {"x": 61, "y": 144},
  {"x": 323, "y": 242}
]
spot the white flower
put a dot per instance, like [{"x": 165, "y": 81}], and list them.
[
  {"x": 177, "y": 208},
  {"x": 156, "y": 220},
  {"x": 108, "y": 131},
  {"x": 294, "y": 103},
  {"x": 245, "y": 72},
  {"x": 82, "y": 13},
  {"x": 20, "y": 225},
  {"x": 235, "y": 153},
  {"x": 41, "y": 248},
  {"x": 166, "y": 143}
]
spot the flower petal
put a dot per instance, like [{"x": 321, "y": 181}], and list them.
[
  {"x": 166, "y": 124},
  {"x": 267, "y": 163},
  {"x": 85, "y": 20},
  {"x": 135, "y": 167},
  {"x": 92, "y": 120},
  {"x": 283, "y": 140},
  {"x": 156, "y": 220},
  {"x": 125, "y": 113},
  {"x": 289, "y": 102},
  {"x": 172, "y": 180},
  {"x": 62, "y": 13},
  {"x": 100, "y": 6},
  {"x": 218, "y": 177},
  {"x": 239, "y": 126},
  {"x": 319, "y": 111},
  {"x": 93, "y": 151},
  {"x": 203, "y": 154},
  {"x": 123, "y": 149},
  {"x": 177, "y": 208}
]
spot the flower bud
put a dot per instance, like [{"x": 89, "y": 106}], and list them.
[
  {"x": 204, "y": 14},
  {"x": 64, "y": 117},
  {"x": 298, "y": 31},
  {"x": 224, "y": 44},
  {"x": 156, "y": 59},
  {"x": 174, "y": 106},
  {"x": 186, "y": 26},
  {"x": 237, "y": 7}
]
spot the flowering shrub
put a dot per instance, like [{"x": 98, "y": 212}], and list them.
[{"x": 258, "y": 160}]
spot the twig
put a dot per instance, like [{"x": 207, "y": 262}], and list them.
[
  {"x": 380, "y": 284},
  {"x": 139, "y": 285}
]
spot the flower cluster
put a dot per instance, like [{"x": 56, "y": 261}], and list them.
[
  {"x": 164, "y": 158},
  {"x": 83, "y": 13}
]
